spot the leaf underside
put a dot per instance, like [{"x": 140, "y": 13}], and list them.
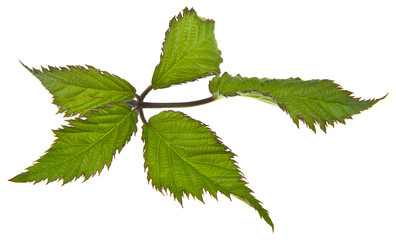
[
  {"x": 189, "y": 51},
  {"x": 183, "y": 156},
  {"x": 314, "y": 102},
  {"x": 84, "y": 147},
  {"x": 77, "y": 90}
]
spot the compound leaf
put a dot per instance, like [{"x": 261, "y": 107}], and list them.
[
  {"x": 320, "y": 102},
  {"x": 189, "y": 51},
  {"x": 84, "y": 147},
  {"x": 183, "y": 156},
  {"x": 77, "y": 90}
]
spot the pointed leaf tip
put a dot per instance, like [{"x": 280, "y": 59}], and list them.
[
  {"x": 85, "y": 146},
  {"x": 190, "y": 51},
  {"x": 18, "y": 178},
  {"x": 314, "y": 102},
  {"x": 183, "y": 156},
  {"x": 77, "y": 90}
]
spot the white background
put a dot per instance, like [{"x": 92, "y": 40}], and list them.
[{"x": 339, "y": 185}]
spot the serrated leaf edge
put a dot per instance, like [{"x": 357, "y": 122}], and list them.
[
  {"x": 241, "y": 177},
  {"x": 69, "y": 68},
  {"x": 286, "y": 110},
  {"x": 177, "y": 18},
  {"x": 116, "y": 150}
]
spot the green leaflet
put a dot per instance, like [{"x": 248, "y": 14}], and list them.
[
  {"x": 78, "y": 90},
  {"x": 314, "y": 102},
  {"x": 84, "y": 147},
  {"x": 189, "y": 51},
  {"x": 185, "y": 157},
  {"x": 182, "y": 155}
]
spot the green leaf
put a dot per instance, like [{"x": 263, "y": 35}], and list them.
[
  {"x": 84, "y": 147},
  {"x": 320, "y": 102},
  {"x": 185, "y": 157},
  {"x": 189, "y": 52},
  {"x": 78, "y": 90}
]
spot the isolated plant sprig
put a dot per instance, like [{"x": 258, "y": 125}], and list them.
[{"x": 182, "y": 155}]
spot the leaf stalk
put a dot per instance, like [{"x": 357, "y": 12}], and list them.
[
  {"x": 177, "y": 104},
  {"x": 139, "y": 103}
]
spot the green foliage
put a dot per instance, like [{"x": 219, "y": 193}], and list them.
[
  {"x": 182, "y": 155},
  {"x": 79, "y": 90},
  {"x": 189, "y": 52},
  {"x": 185, "y": 157},
  {"x": 313, "y": 102},
  {"x": 84, "y": 147}
]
